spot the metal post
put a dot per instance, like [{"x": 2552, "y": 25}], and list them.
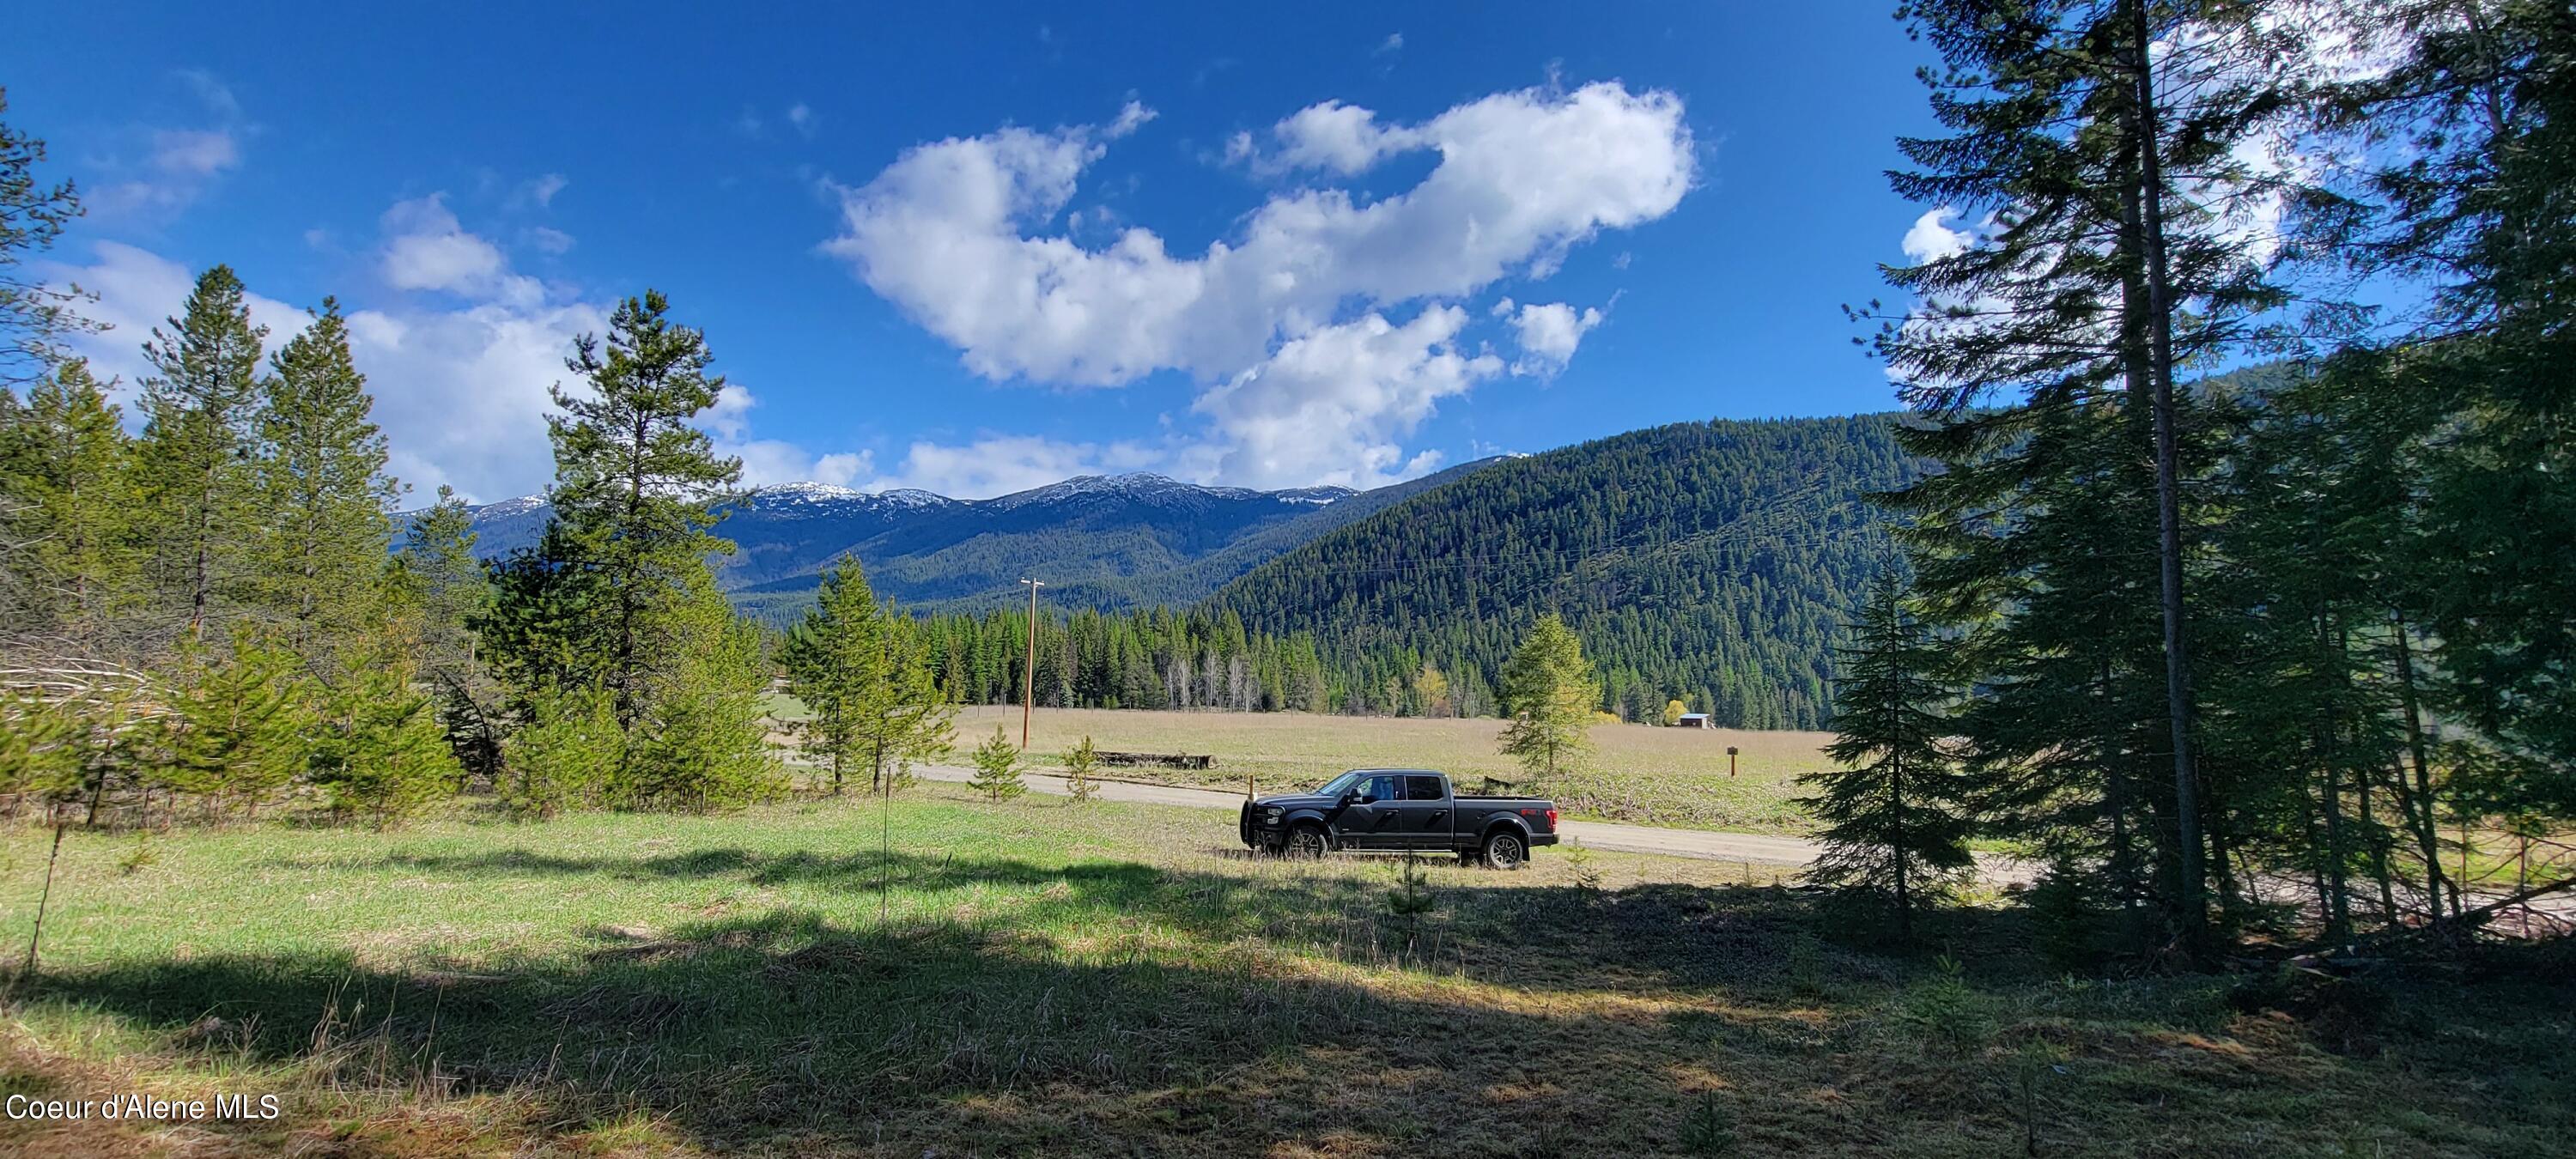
[{"x": 1730, "y": 760}]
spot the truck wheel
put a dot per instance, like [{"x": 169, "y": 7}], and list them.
[
  {"x": 1504, "y": 850},
  {"x": 1306, "y": 842}
]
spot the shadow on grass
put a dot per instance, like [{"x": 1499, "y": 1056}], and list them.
[
  {"x": 790, "y": 1032},
  {"x": 1647, "y": 938},
  {"x": 1204, "y": 1013}
]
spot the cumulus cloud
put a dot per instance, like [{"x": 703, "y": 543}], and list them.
[
  {"x": 427, "y": 249},
  {"x": 956, "y": 233},
  {"x": 1332, "y": 404},
  {"x": 1000, "y": 464},
  {"x": 461, "y": 387},
  {"x": 1548, "y": 335},
  {"x": 1931, "y": 238}
]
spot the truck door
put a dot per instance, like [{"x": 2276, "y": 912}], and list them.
[
  {"x": 1370, "y": 821},
  {"x": 1426, "y": 812}
]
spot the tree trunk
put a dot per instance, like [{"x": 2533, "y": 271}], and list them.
[
  {"x": 2421, "y": 816},
  {"x": 2193, "y": 912}
]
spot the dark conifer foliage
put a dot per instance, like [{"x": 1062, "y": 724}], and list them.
[{"x": 1702, "y": 561}]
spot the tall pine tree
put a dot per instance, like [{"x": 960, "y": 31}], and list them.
[
  {"x": 323, "y": 496},
  {"x": 197, "y": 459}
]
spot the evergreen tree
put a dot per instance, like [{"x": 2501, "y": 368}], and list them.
[
  {"x": 445, "y": 589},
  {"x": 563, "y": 756},
  {"x": 1081, "y": 766},
  {"x": 856, "y": 665},
  {"x": 323, "y": 495},
  {"x": 1548, "y": 693},
  {"x": 547, "y": 624},
  {"x": 1897, "y": 815},
  {"x": 35, "y": 314},
  {"x": 702, "y": 744},
  {"x": 382, "y": 753},
  {"x": 997, "y": 768},
  {"x": 196, "y": 460},
  {"x": 2045, "y": 343},
  {"x": 635, "y": 487},
  {"x": 241, "y": 724},
  {"x": 2477, "y": 122},
  {"x": 66, "y": 469}
]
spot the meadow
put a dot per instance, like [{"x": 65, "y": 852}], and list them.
[
  {"x": 1638, "y": 774},
  {"x": 1042, "y": 977}
]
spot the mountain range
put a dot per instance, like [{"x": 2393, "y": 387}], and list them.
[
  {"x": 1099, "y": 541},
  {"x": 1711, "y": 562}
]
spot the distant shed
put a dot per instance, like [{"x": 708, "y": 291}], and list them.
[{"x": 1695, "y": 720}]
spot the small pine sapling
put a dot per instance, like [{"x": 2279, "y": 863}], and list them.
[
  {"x": 997, "y": 768},
  {"x": 1080, "y": 762}
]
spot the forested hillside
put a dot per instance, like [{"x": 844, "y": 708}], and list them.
[{"x": 1710, "y": 562}]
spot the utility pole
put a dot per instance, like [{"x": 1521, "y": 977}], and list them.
[{"x": 1029, "y": 674}]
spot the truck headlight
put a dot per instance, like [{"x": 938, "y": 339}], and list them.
[{"x": 1270, "y": 816}]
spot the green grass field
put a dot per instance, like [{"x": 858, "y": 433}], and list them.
[
  {"x": 1650, "y": 776},
  {"x": 1041, "y": 977}
]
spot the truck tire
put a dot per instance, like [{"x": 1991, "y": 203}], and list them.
[
  {"x": 1505, "y": 849},
  {"x": 1306, "y": 842}
]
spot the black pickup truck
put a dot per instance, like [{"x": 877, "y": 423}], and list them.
[{"x": 1399, "y": 810}]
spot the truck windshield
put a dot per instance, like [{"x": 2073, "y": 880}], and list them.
[{"x": 1343, "y": 784}]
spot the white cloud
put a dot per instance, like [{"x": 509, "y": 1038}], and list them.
[
  {"x": 542, "y": 190},
  {"x": 1929, "y": 239},
  {"x": 1343, "y": 138},
  {"x": 157, "y": 171},
  {"x": 956, "y": 234},
  {"x": 1393, "y": 42},
  {"x": 1332, "y": 405},
  {"x": 1548, "y": 334},
  {"x": 195, "y": 152},
  {"x": 427, "y": 249},
  {"x": 802, "y": 118},
  {"x": 461, "y": 390},
  {"x": 550, "y": 240},
  {"x": 1000, "y": 464}
]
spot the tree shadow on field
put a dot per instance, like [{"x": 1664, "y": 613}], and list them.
[
  {"x": 1643, "y": 939},
  {"x": 789, "y": 1033},
  {"x": 1121, "y": 1008}
]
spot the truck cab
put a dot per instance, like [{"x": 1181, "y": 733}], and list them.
[{"x": 1399, "y": 811}]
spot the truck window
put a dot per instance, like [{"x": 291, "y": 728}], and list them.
[
  {"x": 1423, "y": 789},
  {"x": 1379, "y": 789}
]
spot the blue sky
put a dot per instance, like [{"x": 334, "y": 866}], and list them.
[{"x": 969, "y": 249}]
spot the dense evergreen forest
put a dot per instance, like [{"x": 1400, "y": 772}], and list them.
[{"x": 1709, "y": 562}]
